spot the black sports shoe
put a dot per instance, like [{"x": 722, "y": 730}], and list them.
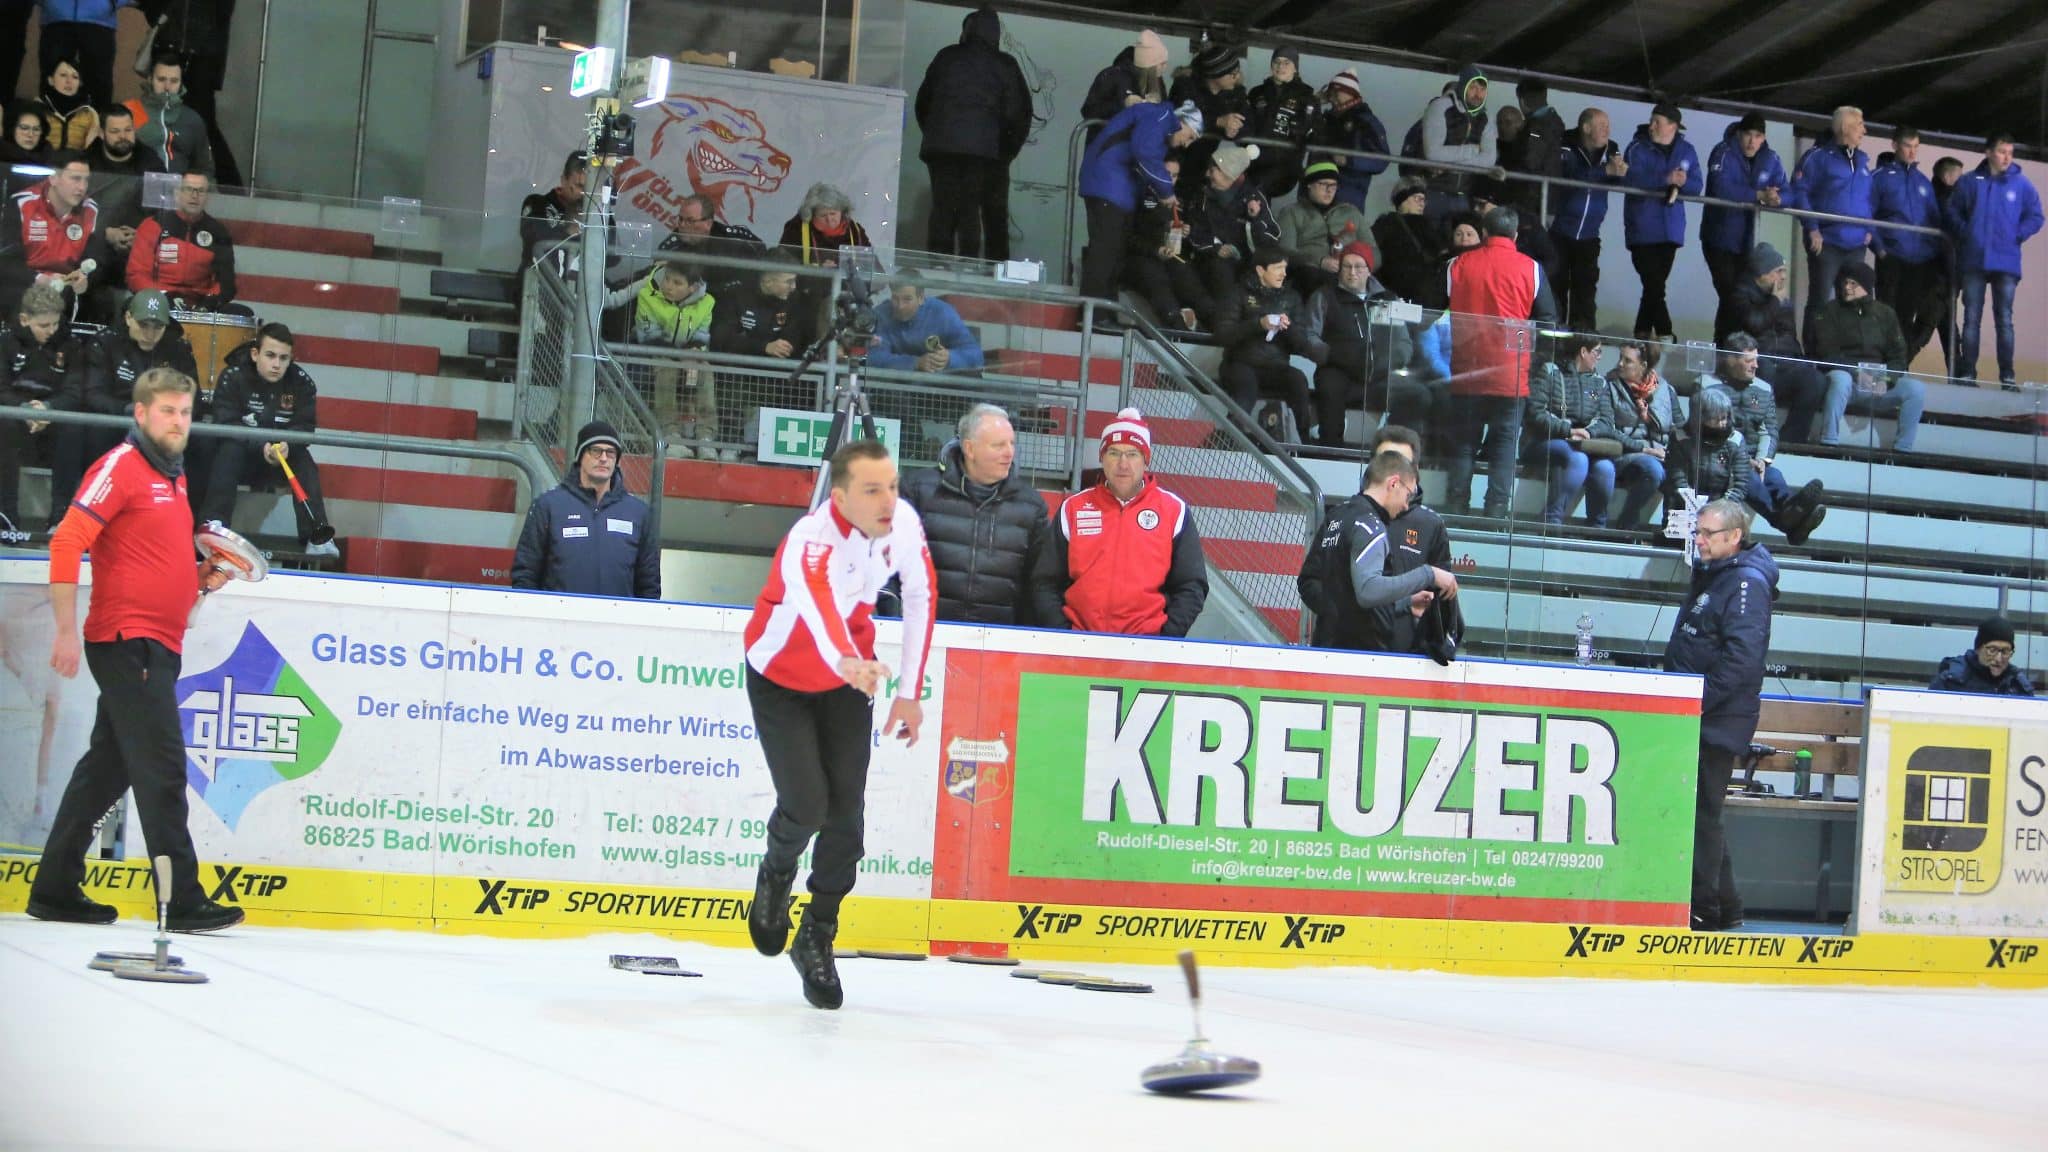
[
  {"x": 205, "y": 916},
  {"x": 768, "y": 919},
  {"x": 74, "y": 908},
  {"x": 811, "y": 952},
  {"x": 1799, "y": 533}
]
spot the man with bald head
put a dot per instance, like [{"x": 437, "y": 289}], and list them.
[{"x": 1588, "y": 154}]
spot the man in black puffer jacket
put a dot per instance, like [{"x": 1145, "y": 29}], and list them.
[
  {"x": 985, "y": 526},
  {"x": 1355, "y": 358},
  {"x": 975, "y": 111},
  {"x": 1754, "y": 306},
  {"x": 1260, "y": 327}
]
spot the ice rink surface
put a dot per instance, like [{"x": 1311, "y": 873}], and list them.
[{"x": 310, "y": 1040}]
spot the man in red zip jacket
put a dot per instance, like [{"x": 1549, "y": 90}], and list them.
[
  {"x": 1125, "y": 555},
  {"x": 1495, "y": 291},
  {"x": 185, "y": 252}
]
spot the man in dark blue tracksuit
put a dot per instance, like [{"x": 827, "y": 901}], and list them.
[
  {"x": 589, "y": 535},
  {"x": 1722, "y": 634},
  {"x": 1912, "y": 276},
  {"x": 1833, "y": 176},
  {"x": 1744, "y": 169}
]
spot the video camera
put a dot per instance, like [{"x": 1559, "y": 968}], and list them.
[{"x": 853, "y": 310}]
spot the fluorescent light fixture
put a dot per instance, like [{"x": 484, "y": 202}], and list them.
[{"x": 657, "y": 82}]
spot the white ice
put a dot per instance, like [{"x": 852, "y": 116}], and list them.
[{"x": 309, "y": 1040}]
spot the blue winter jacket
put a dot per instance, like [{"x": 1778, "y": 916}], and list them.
[
  {"x": 594, "y": 546},
  {"x": 1128, "y": 157},
  {"x": 898, "y": 343},
  {"x": 1647, "y": 219},
  {"x": 1903, "y": 193},
  {"x": 1731, "y": 176},
  {"x": 100, "y": 12},
  {"x": 1831, "y": 178},
  {"x": 1723, "y": 633},
  {"x": 1581, "y": 211},
  {"x": 1990, "y": 217}
]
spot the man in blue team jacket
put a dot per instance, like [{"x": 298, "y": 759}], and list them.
[
  {"x": 589, "y": 535},
  {"x": 913, "y": 334},
  {"x": 1661, "y": 160},
  {"x": 1992, "y": 211},
  {"x": 1723, "y": 633},
  {"x": 1741, "y": 168},
  {"x": 1589, "y": 154},
  {"x": 1833, "y": 177},
  {"x": 1912, "y": 276}
]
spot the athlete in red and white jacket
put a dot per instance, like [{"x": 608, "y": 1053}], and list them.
[{"x": 1126, "y": 557}]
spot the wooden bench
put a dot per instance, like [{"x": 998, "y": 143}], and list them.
[{"x": 1832, "y": 732}]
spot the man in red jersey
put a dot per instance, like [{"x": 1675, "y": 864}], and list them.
[
  {"x": 811, "y": 677},
  {"x": 1125, "y": 554},
  {"x": 131, "y": 514}
]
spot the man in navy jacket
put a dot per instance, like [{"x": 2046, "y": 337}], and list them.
[
  {"x": 1911, "y": 274},
  {"x": 1741, "y": 168},
  {"x": 1661, "y": 160},
  {"x": 1589, "y": 154},
  {"x": 1992, "y": 211},
  {"x": 589, "y": 535},
  {"x": 1833, "y": 177},
  {"x": 1723, "y": 634}
]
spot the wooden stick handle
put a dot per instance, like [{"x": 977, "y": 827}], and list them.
[{"x": 1187, "y": 968}]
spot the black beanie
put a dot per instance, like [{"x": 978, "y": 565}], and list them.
[
  {"x": 1994, "y": 629},
  {"x": 1858, "y": 272},
  {"x": 597, "y": 432}
]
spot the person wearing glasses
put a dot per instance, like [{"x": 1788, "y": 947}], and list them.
[
  {"x": 589, "y": 535},
  {"x": 1986, "y": 668},
  {"x": 1723, "y": 633}
]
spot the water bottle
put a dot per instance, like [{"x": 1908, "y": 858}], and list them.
[
  {"x": 1584, "y": 648},
  {"x": 1802, "y": 772}
]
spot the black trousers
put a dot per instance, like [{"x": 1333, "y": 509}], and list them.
[
  {"x": 1102, "y": 261},
  {"x": 1714, "y": 899},
  {"x": 92, "y": 45},
  {"x": 817, "y": 745},
  {"x": 1339, "y": 388},
  {"x": 970, "y": 207},
  {"x": 1245, "y": 382},
  {"x": 1917, "y": 292},
  {"x": 136, "y": 743},
  {"x": 1726, "y": 269},
  {"x": 1803, "y": 391},
  {"x": 14, "y": 16},
  {"x": 1653, "y": 264},
  {"x": 77, "y": 446},
  {"x": 1169, "y": 286},
  {"x": 1578, "y": 282},
  {"x": 237, "y": 462}
]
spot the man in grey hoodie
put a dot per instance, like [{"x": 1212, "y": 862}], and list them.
[{"x": 175, "y": 132}]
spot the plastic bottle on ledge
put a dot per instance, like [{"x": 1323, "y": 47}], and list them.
[
  {"x": 1584, "y": 647},
  {"x": 1802, "y": 772}
]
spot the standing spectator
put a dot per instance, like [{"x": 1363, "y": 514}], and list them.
[
  {"x": 1948, "y": 172},
  {"x": 145, "y": 586},
  {"x": 51, "y": 234},
  {"x": 1757, "y": 306},
  {"x": 1229, "y": 221},
  {"x": 916, "y": 334},
  {"x": 1741, "y": 168},
  {"x": 261, "y": 387},
  {"x": 1753, "y": 413},
  {"x": 1260, "y": 328},
  {"x": 198, "y": 30},
  {"x": 1660, "y": 160},
  {"x": 1859, "y": 339},
  {"x": 1588, "y": 155},
  {"x": 1986, "y": 669},
  {"x": 186, "y": 253},
  {"x": 1137, "y": 76},
  {"x": 1124, "y": 162},
  {"x": 39, "y": 366},
  {"x": 1543, "y": 144},
  {"x": 1494, "y": 292},
  {"x": 1571, "y": 408},
  {"x": 1911, "y": 277},
  {"x": 14, "y": 16},
  {"x": 71, "y": 123},
  {"x": 549, "y": 221},
  {"x": 81, "y": 30},
  {"x": 113, "y": 363},
  {"x": 1723, "y": 633},
  {"x": 672, "y": 307},
  {"x": 1283, "y": 107},
  {"x": 1214, "y": 84},
  {"x": 1347, "y": 577},
  {"x": 1315, "y": 227},
  {"x": 1454, "y": 129},
  {"x": 589, "y": 535},
  {"x": 1125, "y": 555},
  {"x": 162, "y": 121},
  {"x": 709, "y": 241},
  {"x": 1833, "y": 177},
  {"x": 1355, "y": 357},
  {"x": 1348, "y": 122},
  {"x": 1644, "y": 415},
  {"x": 762, "y": 318},
  {"x": 1993, "y": 211},
  {"x": 974, "y": 109},
  {"x": 119, "y": 167},
  {"x": 1411, "y": 246},
  {"x": 986, "y": 526},
  {"x": 822, "y": 226}
]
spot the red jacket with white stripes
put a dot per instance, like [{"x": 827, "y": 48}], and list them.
[
  {"x": 1135, "y": 568},
  {"x": 819, "y": 604},
  {"x": 1495, "y": 290},
  {"x": 136, "y": 522},
  {"x": 184, "y": 259}
]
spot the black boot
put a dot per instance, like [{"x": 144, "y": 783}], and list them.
[
  {"x": 768, "y": 920},
  {"x": 1797, "y": 533},
  {"x": 205, "y": 916},
  {"x": 74, "y": 907},
  {"x": 812, "y": 955}
]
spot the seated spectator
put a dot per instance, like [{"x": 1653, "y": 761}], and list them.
[
  {"x": 1859, "y": 339},
  {"x": 1645, "y": 412},
  {"x": 51, "y": 234},
  {"x": 1315, "y": 227},
  {"x": 1495, "y": 292},
  {"x": 1260, "y": 327},
  {"x": 1214, "y": 84},
  {"x": 1136, "y": 76},
  {"x": 260, "y": 387},
  {"x": 1742, "y": 168},
  {"x": 1709, "y": 459},
  {"x": 39, "y": 365},
  {"x": 1348, "y": 578},
  {"x": 70, "y": 122},
  {"x": 1570, "y": 415},
  {"x": 1348, "y": 122},
  {"x": 113, "y": 361},
  {"x": 26, "y": 130},
  {"x": 1659, "y": 159},
  {"x": 1757, "y": 305},
  {"x": 1356, "y": 358},
  {"x": 765, "y": 319},
  {"x": 707, "y": 240},
  {"x": 560, "y": 547},
  {"x": 549, "y": 222},
  {"x": 165, "y": 125},
  {"x": 186, "y": 253},
  {"x": 119, "y": 167},
  {"x": 672, "y": 307},
  {"x": 1282, "y": 107},
  {"x": 1589, "y": 155},
  {"x": 1156, "y": 267},
  {"x": 1754, "y": 412},
  {"x": 822, "y": 226},
  {"x": 914, "y": 333},
  {"x": 1411, "y": 246},
  {"x": 1124, "y": 166},
  {"x": 1124, "y": 556},
  {"x": 1230, "y": 219},
  {"x": 1986, "y": 669},
  {"x": 986, "y": 526}
]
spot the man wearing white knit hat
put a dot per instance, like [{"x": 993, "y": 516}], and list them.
[{"x": 1125, "y": 555}]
